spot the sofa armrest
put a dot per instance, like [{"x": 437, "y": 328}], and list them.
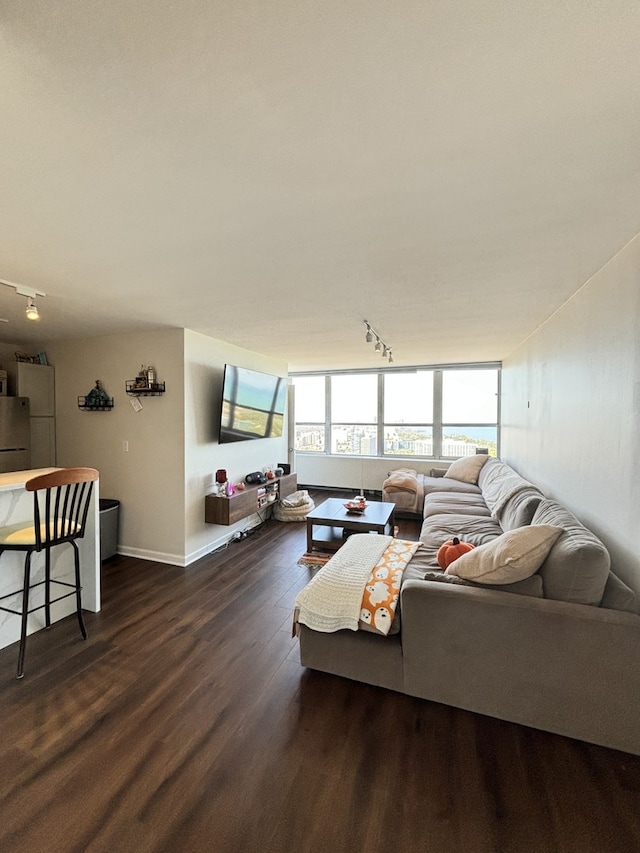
[{"x": 566, "y": 668}]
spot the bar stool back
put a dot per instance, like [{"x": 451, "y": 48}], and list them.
[{"x": 60, "y": 507}]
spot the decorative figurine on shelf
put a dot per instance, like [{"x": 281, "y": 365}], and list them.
[
  {"x": 97, "y": 396},
  {"x": 141, "y": 380}
]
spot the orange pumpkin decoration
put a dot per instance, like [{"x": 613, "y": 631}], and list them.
[{"x": 451, "y": 550}]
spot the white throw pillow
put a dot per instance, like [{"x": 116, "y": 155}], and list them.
[
  {"x": 467, "y": 468},
  {"x": 512, "y": 557}
]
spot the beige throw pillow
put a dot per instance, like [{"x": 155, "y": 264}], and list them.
[
  {"x": 467, "y": 468},
  {"x": 512, "y": 557}
]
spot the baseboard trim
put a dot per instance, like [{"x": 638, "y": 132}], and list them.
[
  {"x": 176, "y": 559},
  {"x": 155, "y": 556}
]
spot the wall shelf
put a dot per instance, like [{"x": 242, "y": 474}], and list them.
[
  {"x": 90, "y": 406},
  {"x": 135, "y": 389},
  {"x": 227, "y": 509}
]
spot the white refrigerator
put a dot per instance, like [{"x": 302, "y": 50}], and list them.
[
  {"x": 37, "y": 382},
  {"x": 15, "y": 434}
]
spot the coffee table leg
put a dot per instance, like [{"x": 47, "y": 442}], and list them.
[
  {"x": 309, "y": 536},
  {"x": 390, "y": 525}
]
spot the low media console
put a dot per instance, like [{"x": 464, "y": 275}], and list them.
[{"x": 227, "y": 509}]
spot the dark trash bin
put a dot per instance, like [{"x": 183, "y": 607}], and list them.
[{"x": 109, "y": 513}]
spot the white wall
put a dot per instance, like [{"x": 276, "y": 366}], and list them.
[
  {"x": 173, "y": 453},
  {"x": 148, "y": 480},
  {"x": 571, "y": 408},
  {"x": 204, "y": 360}
]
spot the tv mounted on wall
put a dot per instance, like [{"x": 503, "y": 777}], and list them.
[{"x": 253, "y": 405}]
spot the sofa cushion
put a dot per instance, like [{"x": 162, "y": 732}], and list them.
[
  {"x": 448, "y": 484},
  {"x": 452, "y": 500},
  {"x": 424, "y": 566},
  {"x": 467, "y": 468},
  {"x": 457, "y": 502},
  {"x": 515, "y": 555},
  {"x": 529, "y": 586},
  {"x": 577, "y": 566},
  {"x": 469, "y": 528},
  {"x": 487, "y": 469},
  {"x": 424, "y": 560},
  {"x": 519, "y": 509},
  {"x": 618, "y": 596},
  {"x": 511, "y": 499}
]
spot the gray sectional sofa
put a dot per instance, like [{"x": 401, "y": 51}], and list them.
[{"x": 558, "y": 651}]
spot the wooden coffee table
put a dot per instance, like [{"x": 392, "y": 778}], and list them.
[{"x": 332, "y": 518}]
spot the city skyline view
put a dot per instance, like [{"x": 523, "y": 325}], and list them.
[
  {"x": 361, "y": 440},
  {"x": 427, "y": 413}
]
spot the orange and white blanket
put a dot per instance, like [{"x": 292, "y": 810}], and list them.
[{"x": 358, "y": 587}]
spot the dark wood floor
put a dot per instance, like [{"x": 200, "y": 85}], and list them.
[{"x": 185, "y": 723}]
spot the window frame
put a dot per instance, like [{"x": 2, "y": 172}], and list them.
[
  {"x": 319, "y": 425},
  {"x": 331, "y": 424},
  {"x": 437, "y": 427}
]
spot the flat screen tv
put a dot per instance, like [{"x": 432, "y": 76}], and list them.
[{"x": 253, "y": 405}]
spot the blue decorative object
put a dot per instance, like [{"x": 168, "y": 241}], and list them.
[{"x": 97, "y": 396}]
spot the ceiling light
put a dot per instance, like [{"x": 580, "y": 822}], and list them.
[
  {"x": 380, "y": 346},
  {"x": 32, "y": 310}
]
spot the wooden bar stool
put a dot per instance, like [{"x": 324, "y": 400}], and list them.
[{"x": 60, "y": 507}]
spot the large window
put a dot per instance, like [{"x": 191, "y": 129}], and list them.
[
  {"x": 430, "y": 413},
  {"x": 354, "y": 414},
  {"x": 469, "y": 411},
  {"x": 408, "y": 413},
  {"x": 310, "y": 412}
]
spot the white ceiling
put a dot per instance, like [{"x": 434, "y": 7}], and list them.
[{"x": 273, "y": 172}]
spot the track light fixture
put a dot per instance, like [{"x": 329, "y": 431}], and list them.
[
  {"x": 31, "y": 309},
  {"x": 380, "y": 345}
]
